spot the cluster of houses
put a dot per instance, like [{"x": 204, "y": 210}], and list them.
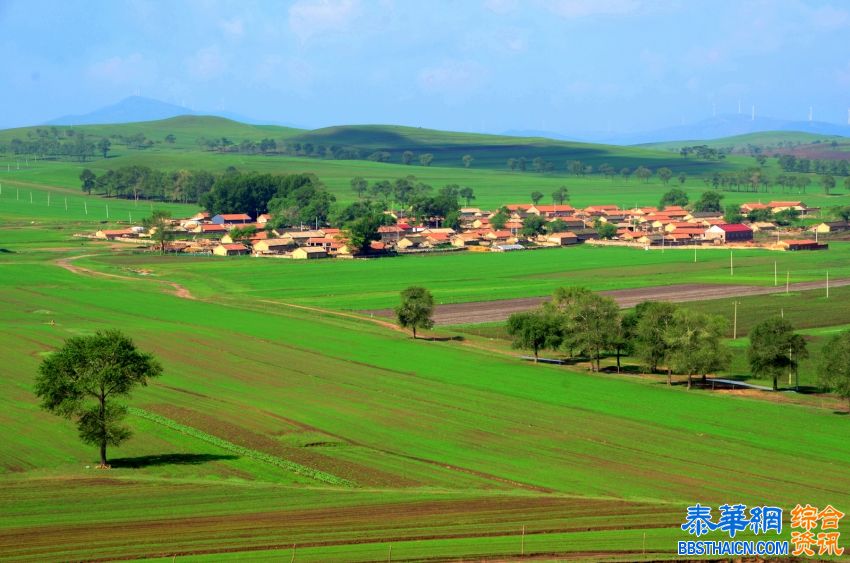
[{"x": 239, "y": 233}]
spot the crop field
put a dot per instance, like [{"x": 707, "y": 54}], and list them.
[
  {"x": 277, "y": 428},
  {"x": 463, "y": 277}
]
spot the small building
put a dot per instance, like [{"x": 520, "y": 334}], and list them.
[
  {"x": 272, "y": 246},
  {"x": 506, "y": 247},
  {"x": 799, "y": 206},
  {"x": 565, "y": 238},
  {"x": 232, "y": 219},
  {"x": 308, "y": 253},
  {"x": 803, "y": 244},
  {"x": 114, "y": 234},
  {"x": 729, "y": 232},
  {"x": 210, "y": 229},
  {"x": 832, "y": 227},
  {"x": 230, "y": 249},
  {"x": 410, "y": 241},
  {"x": 264, "y": 218},
  {"x": 466, "y": 239}
]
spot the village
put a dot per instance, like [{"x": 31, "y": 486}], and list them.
[{"x": 556, "y": 226}]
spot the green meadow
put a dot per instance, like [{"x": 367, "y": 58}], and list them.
[
  {"x": 286, "y": 426},
  {"x": 471, "y": 276},
  {"x": 436, "y": 427}
]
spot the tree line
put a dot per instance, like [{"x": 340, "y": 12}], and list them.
[{"x": 581, "y": 323}]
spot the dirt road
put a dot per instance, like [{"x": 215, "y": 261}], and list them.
[{"x": 492, "y": 311}]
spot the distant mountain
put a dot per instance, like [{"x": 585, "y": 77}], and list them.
[
  {"x": 138, "y": 108},
  {"x": 128, "y": 110},
  {"x": 718, "y": 127}
]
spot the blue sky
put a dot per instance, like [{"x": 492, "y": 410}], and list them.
[{"x": 476, "y": 65}]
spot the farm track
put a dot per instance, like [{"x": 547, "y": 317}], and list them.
[
  {"x": 494, "y": 311},
  {"x": 177, "y": 289}
]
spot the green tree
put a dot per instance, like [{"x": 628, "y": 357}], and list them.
[
  {"x": 556, "y": 226},
  {"x": 359, "y": 185},
  {"x": 535, "y": 330},
  {"x": 467, "y": 160},
  {"x": 827, "y": 181},
  {"x": 415, "y": 309},
  {"x": 674, "y": 197},
  {"x": 407, "y": 157},
  {"x": 847, "y": 183},
  {"x": 536, "y": 197},
  {"x": 426, "y": 159},
  {"x": 88, "y": 180},
  {"x": 786, "y": 217},
  {"x": 683, "y": 177},
  {"x": 468, "y": 194},
  {"x": 81, "y": 379},
  {"x": 653, "y": 324},
  {"x": 589, "y": 321},
  {"x": 498, "y": 219},
  {"x": 733, "y": 214},
  {"x": 533, "y": 225},
  {"x": 560, "y": 195},
  {"x": 775, "y": 349},
  {"x": 606, "y": 231},
  {"x": 159, "y": 226},
  {"x": 709, "y": 202},
  {"x": 170, "y": 138},
  {"x": 665, "y": 174},
  {"x": 103, "y": 147},
  {"x": 834, "y": 368},
  {"x": 512, "y": 164},
  {"x": 695, "y": 341},
  {"x": 643, "y": 173}
]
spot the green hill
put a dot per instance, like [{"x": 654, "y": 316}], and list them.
[
  {"x": 487, "y": 151},
  {"x": 766, "y": 139},
  {"x": 187, "y": 129}
]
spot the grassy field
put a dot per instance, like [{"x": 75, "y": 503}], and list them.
[
  {"x": 462, "y": 277},
  {"x": 436, "y": 448}
]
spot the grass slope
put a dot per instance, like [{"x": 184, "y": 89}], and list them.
[{"x": 760, "y": 139}]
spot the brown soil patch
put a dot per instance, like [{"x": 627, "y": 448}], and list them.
[{"x": 494, "y": 311}]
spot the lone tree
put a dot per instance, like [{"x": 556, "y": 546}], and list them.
[
  {"x": 415, "y": 309},
  {"x": 426, "y": 159},
  {"x": 159, "y": 225},
  {"x": 535, "y": 330},
  {"x": 536, "y": 197},
  {"x": 88, "y": 179},
  {"x": 834, "y": 369},
  {"x": 359, "y": 184},
  {"x": 467, "y": 160},
  {"x": 79, "y": 381},
  {"x": 775, "y": 349},
  {"x": 674, "y": 197}
]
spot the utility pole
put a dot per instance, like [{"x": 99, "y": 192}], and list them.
[
  {"x": 787, "y": 280},
  {"x": 775, "y": 280},
  {"x": 731, "y": 264},
  {"x": 827, "y": 284}
]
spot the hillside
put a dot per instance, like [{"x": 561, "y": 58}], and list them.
[
  {"x": 487, "y": 151},
  {"x": 763, "y": 139},
  {"x": 186, "y": 128}
]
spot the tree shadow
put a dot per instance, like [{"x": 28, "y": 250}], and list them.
[{"x": 167, "y": 459}]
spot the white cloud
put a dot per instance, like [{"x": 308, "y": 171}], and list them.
[
  {"x": 308, "y": 18},
  {"x": 233, "y": 28},
  {"x": 453, "y": 80},
  {"x": 206, "y": 63},
  {"x": 501, "y": 6},
  {"x": 829, "y": 17},
  {"x": 583, "y": 8}
]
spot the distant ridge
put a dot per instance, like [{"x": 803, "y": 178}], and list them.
[
  {"x": 136, "y": 109},
  {"x": 128, "y": 110},
  {"x": 729, "y": 125}
]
